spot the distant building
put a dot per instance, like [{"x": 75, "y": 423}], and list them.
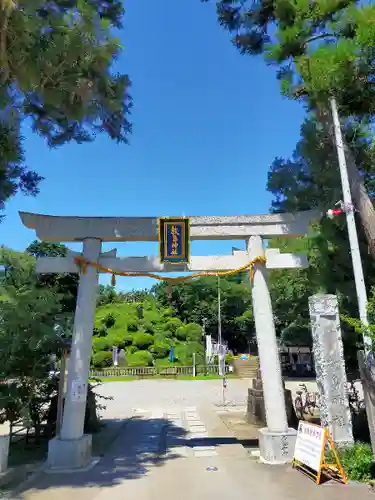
[{"x": 297, "y": 361}]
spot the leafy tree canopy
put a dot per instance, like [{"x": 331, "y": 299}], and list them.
[
  {"x": 321, "y": 48},
  {"x": 65, "y": 284},
  {"x": 56, "y": 71}
]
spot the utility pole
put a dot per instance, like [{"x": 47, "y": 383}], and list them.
[
  {"x": 358, "y": 276},
  {"x": 218, "y": 312},
  {"x": 352, "y": 229},
  {"x": 219, "y": 336}
]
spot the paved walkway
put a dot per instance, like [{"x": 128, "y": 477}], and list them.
[{"x": 182, "y": 450}]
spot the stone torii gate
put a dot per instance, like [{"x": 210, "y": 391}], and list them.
[{"x": 72, "y": 449}]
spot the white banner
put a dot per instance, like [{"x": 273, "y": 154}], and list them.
[
  {"x": 208, "y": 346},
  {"x": 310, "y": 445}
]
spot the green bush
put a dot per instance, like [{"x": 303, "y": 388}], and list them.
[
  {"x": 184, "y": 353},
  {"x": 102, "y": 359},
  {"x": 173, "y": 324},
  {"x": 148, "y": 327},
  {"x": 100, "y": 344},
  {"x": 109, "y": 320},
  {"x": 193, "y": 332},
  {"x": 160, "y": 349},
  {"x": 356, "y": 460},
  {"x": 131, "y": 349},
  {"x": 167, "y": 312},
  {"x": 101, "y": 331},
  {"x": 132, "y": 325},
  {"x": 190, "y": 332},
  {"x": 128, "y": 339},
  {"x": 116, "y": 339},
  {"x": 181, "y": 332},
  {"x": 143, "y": 340},
  {"x": 152, "y": 316},
  {"x": 140, "y": 358}
]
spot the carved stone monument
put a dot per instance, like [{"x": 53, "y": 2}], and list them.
[
  {"x": 256, "y": 410},
  {"x": 330, "y": 367}
]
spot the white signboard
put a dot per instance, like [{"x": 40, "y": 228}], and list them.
[
  {"x": 309, "y": 445},
  {"x": 79, "y": 389}
]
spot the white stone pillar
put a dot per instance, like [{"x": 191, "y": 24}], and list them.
[
  {"x": 276, "y": 442},
  {"x": 330, "y": 367},
  {"x": 72, "y": 449},
  {"x": 4, "y": 446}
]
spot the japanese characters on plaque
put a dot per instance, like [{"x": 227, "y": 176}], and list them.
[{"x": 174, "y": 240}]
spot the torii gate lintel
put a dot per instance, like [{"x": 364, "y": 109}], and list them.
[{"x": 72, "y": 449}]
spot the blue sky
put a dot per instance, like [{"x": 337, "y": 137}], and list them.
[{"x": 207, "y": 123}]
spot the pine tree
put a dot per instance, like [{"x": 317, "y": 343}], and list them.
[
  {"x": 56, "y": 71},
  {"x": 321, "y": 49}
]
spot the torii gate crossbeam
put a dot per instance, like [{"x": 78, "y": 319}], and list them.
[{"x": 72, "y": 449}]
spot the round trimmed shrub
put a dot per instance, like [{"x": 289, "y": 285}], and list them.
[
  {"x": 100, "y": 344},
  {"x": 148, "y": 327},
  {"x": 128, "y": 339},
  {"x": 109, "y": 320},
  {"x": 132, "y": 325},
  {"x": 173, "y": 324},
  {"x": 143, "y": 340},
  {"x": 115, "y": 339},
  {"x": 181, "y": 332},
  {"x": 102, "y": 359},
  {"x": 160, "y": 350},
  {"x": 184, "y": 353},
  {"x": 140, "y": 358},
  {"x": 193, "y": 332}
]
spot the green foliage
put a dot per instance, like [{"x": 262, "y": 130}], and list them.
[
  {"x": 65, "y": 284},
  {"x": 190, "y": 332},
  {"x": 184, "y": 353},
  {"x": 143, "y": 340},
  {"x": 132, "y": 325},
  {"x": 27, "y": 337},
  {"x": 140, "y": 358},
  {"x": 59, "y": 57},
  {"x": 131, "y": 349},
  {"x": 160, "y": 349},
  {"x": 321, "y": 49},
  {"x": 196, "y": 300},
  {"x": 181, "y": 333},
  {"x": 109, "y": 320},
  {"x": 148, "y": 327},
  {"x": 357, "y": 461},
  {"x": 173, "y": 324},
  {"x": 102, "y": 359},
  {"x": 100, "y": 344}
]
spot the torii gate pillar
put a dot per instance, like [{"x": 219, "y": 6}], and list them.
[
  {"x": 72, "y": 449},
  {"x": 276, "y": 441}
]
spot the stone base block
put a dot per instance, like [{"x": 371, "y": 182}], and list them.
[
  {"x": 276, "y": 448},
  {"x": 72, "y": 454},
  {"x": 4, "y": 452}
]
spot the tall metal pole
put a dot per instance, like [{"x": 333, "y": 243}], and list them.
[
  {"x": 219, "y": 326},
  {"x": 352, "y": 229},
  {"x": 218, "y": 311}
]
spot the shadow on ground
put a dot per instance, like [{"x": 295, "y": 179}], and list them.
[{"x": 139, "y": 444}]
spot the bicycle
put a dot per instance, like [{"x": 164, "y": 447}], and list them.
[
  {"x": 355, "y": 402},
  {"x": 305, "y": 402}
]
